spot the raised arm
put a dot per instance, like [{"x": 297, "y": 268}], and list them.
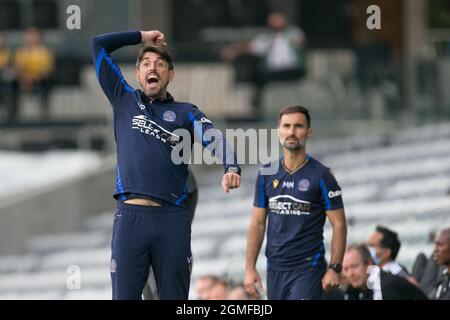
[{"x": 108, "y": 73}]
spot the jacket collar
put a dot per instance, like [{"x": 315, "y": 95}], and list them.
[{"x": 167, "y": 99}]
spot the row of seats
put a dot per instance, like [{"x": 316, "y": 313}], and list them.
[{"x": 392, "y": 154}]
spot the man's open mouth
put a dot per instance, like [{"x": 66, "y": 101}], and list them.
[{"x": 152, "y": 79}]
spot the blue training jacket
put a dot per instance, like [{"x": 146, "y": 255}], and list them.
[{"x": 144, "y": 129}]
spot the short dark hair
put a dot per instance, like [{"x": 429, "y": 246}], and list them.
[
  {"x": 159, "y": 50},
  {"x": 390, "y": 241},
  {"x": 362, "y": 250},
  {"x": 295, "y": 109}
]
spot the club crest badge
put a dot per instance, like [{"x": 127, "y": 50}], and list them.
[
  {"x": 303, "y": 185},
  {"x": 169, "y": 116}
]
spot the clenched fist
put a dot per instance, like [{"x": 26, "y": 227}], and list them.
[
  {"x": 230, "y": 180},
  {"x": 154, "y": 37}
]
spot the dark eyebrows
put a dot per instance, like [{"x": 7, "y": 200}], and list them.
[
  {"x": 158, "y": 58},
  {"x": 287, "y": 124}
]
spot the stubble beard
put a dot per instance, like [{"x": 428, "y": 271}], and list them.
[{"x": 294, "y": 147}]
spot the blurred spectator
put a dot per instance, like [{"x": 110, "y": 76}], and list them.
[
  {"x": 5, "y": 57},
  {"x": 203, "y": 286},
  {"x": 384, "y": 246},
  {"x": 34, "y": 63},
  {"x": 429, "y": 274},
  {"x": 6, "y": 76},
  {"x": 237, "y": 292},
  {"x": 442, "y": 255},
  {"x": 5, "y": 54},
  {"x": 219, "y": 290},
  {"x": 427, "y": 271},
  {"x": 419, "y": 266},
  {"x": 274, "y": 55},
  {"x": 368, "y": 282}
]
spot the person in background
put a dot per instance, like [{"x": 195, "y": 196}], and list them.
[
  {"x": 366, "y": 281},
  {"x": 442, "y": 256},
  {"x": 219, "y": 290},
  {"x": 279, "y": 52},
  {"x": 237, "y": 292},
  {"x": 34, "y": 64},
  {"x": 7, "y": 79},
  {"x": 203, "y": 286},
  {"x": 384, "y": 246}
]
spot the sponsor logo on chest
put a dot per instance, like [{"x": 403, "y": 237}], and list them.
[
  {"x": 149, "y": 127},
  {"x": 289, "y": 205},
  {"x": 288, "y": 184}
]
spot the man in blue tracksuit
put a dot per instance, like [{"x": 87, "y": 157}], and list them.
[
  {"x": 294, "y": 202},
  {"x": 152, "y": 223}
]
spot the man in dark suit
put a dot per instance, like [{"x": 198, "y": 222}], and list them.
[
  {"x": 442, "y": 256},
  {"x": 367, "y": 281}
]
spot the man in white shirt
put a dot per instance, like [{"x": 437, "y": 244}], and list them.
[
  {"x": 281, "y": 53},
  {"x": 384, "y": 246}
]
